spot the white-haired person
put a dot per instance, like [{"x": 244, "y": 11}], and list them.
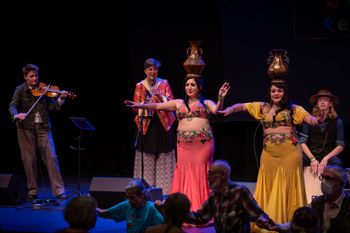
[
  {"x": 137, "y": 211},
  {"x": 232, "y": 206}
]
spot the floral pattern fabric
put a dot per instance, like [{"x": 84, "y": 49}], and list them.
[
  {"x": 189, "y": 136},
  {"x": 280, "y": 186}
]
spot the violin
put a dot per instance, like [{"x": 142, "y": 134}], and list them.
[{"x": 51, "y": 91}]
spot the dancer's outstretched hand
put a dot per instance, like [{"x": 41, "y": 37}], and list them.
[
  {"x": 129, "y": 103},
  {"x": 321, "y": 116},
  {"x": 225, "y": 112}
]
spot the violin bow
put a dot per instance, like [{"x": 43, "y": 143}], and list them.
[{"x": 31, "y": 108}]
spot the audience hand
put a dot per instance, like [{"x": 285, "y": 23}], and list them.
[
  {"x": 266, "y": 223},
  {"x": 159, "y": 204}
]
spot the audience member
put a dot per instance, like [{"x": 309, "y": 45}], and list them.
[
  {"x": 176, "y": 209},
  {"x": 137, "y": 211},
  {"x": 232, "y": 206},
  {"x": 305, "y": 220},
  {"x": 333, "y": 207},
  {"x": 80, "y": 213}
]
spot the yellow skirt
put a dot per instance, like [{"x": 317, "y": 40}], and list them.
[{"x": 280, "y": 186}]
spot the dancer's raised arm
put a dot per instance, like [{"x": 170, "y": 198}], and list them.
[{"x": 213, "y": 108}]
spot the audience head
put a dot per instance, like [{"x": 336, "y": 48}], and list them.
[
  {"x": 333, "y": 182},
  {"x": 135, "y": 192},
  {"x": 176, "y": 208},
  {"x": 305, "y": 219},
  {"x": 219, "y": 174},
  {"x": 80, "y": 212}
]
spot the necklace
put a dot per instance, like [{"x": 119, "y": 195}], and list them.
[
  {"x": 323, "y": 145},
  {"x": 324, "y": 142},
  {"x": 191, "y": 101}
]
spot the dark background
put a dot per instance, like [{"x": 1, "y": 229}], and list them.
[{"x": 97, "y": 51}]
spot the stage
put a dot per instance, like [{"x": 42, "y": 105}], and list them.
[{"x": 47, "y": 215}]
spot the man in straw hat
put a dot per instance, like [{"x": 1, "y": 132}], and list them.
[{"x": 324, "y": 142}]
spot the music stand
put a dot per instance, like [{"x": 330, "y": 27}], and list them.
[{"x": 83, "y": 125}]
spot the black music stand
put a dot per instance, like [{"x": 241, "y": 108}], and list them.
[{"x": 83, "y": 125}]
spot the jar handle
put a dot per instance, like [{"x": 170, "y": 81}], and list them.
[
  {"x": 200, "y": 51},
  {"x": 188, "y": 51}
]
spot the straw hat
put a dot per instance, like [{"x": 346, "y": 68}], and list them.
[{"x": 325, "y": 93}]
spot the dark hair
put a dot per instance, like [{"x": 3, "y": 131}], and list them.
[
  {"x": 286, "y": 103},
  {"x": 151, "y": 62},
  {"x": 200, "y": 83},
  {"x": 80, "y": 212},
  {"x": 176, "y": 208},
  {"x": 305, "y": 219},
  {"x": 29, "y": 67}
]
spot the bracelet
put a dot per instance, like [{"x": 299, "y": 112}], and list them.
[
  {"x": 220, "y": 98},
  {"x": 312, "y": 159}
]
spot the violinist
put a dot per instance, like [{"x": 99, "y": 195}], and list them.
[{"x": 31, "y": 115}]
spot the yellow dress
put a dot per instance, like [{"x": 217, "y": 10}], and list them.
[{"x": 280, "y": 185}]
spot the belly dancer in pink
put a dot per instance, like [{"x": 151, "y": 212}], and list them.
[{"x": 195, "y": 142}]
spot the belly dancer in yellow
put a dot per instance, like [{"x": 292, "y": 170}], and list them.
[{"x": 280, "y": 185}]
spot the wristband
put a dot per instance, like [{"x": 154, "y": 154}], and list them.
[
  {"x": 312, "y": 159},
  {"x": 220, "y": 98}
]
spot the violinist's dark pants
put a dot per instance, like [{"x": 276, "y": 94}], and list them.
[{"x": 39, "y": 140}]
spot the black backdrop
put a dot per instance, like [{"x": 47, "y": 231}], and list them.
[{"x": 97, "y": 50}]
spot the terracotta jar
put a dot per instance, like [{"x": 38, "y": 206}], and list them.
[
  {"x": 278, "y": 65},
  {"x": 194, "y": 63}
]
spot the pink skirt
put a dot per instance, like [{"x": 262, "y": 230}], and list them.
[{"x": 194, "y": 156}]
